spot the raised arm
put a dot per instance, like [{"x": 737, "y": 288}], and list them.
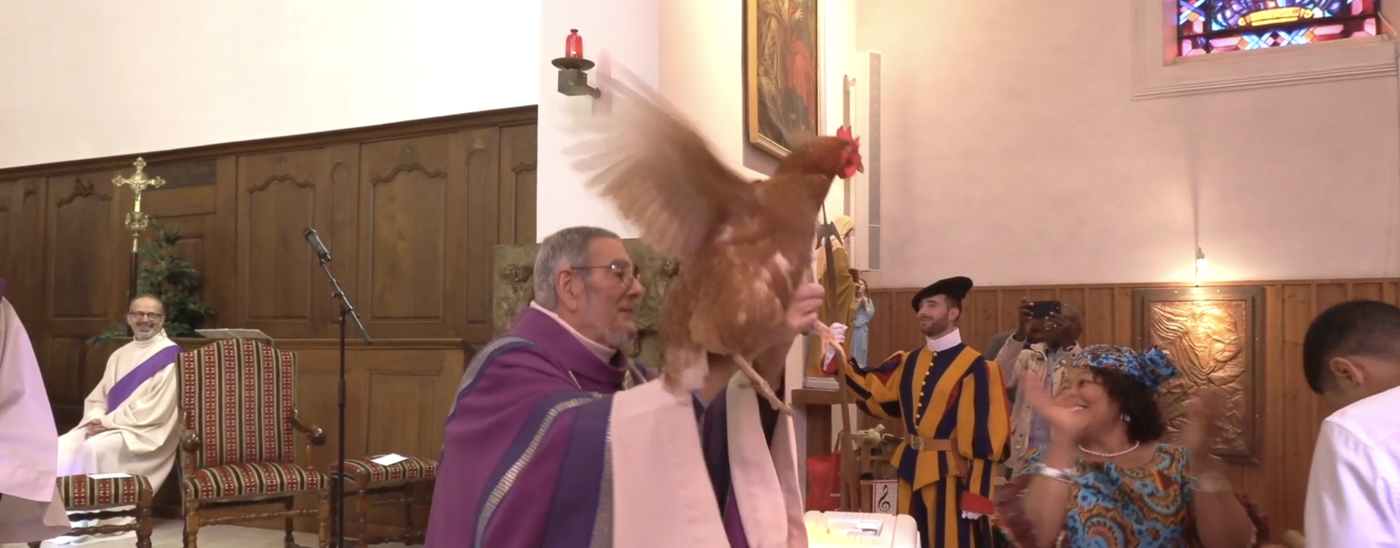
[
  {"x": 1009, "y": 361},
  {"x": 876, "y": 390},
  {"x": 984, "y": 428}
]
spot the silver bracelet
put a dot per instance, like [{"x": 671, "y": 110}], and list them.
[{"x": 1067, "y": 476}]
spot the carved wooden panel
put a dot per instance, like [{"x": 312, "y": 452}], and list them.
[
  {"x": 518, "y": 169},
  {"x": 279, "y": 196},
  {"x": 513, "y": 289},
  {"x": 1212, "y": 336},
  {"x": 413, "y": 242},
  {"x": 192, "y": 209},
  {"x": 22, "y": 205},
  {"x": 483, "y": 186},
  {"x": 80, "y": 232}
]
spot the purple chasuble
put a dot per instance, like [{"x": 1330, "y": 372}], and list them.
[
  {"x": 127, "y": 385},
  {"x": 525, "y": 460}
]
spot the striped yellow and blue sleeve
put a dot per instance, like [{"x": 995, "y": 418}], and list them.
[
  {"x": 877, "y": 390},
  {"x": 983, "y": 432}
]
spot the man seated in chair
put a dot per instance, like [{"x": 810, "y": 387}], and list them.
[
  {"x": 30, "y": 508},
  {"x": 130, "y": 419}
]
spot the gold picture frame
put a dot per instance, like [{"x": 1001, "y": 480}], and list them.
[
  {"x": 778, "y": 119},
  {"x": 1214, "y": 336}
]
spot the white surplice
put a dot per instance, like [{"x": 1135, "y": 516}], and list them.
[
  {"x": 30, "y": 506},
  {"x": 666, "y": 499},
  {"x": 141, "y": 433},
  {"x": 1354, "y": 485}
]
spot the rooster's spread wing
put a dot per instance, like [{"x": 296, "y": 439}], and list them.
[{"x": 659, "y": 172}]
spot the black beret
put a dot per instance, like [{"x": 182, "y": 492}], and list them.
[{"x": 955, "y": 287}]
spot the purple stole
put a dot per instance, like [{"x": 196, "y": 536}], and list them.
[{"x": 128, "y": 384}]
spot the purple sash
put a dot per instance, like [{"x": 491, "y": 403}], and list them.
[{"x": 136, "y": 377}]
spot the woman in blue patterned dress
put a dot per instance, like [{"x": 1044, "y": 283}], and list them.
[{"x": 1105, "y": 480}]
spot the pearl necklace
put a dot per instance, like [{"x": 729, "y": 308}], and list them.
[{"x": 1110, "y": 455}]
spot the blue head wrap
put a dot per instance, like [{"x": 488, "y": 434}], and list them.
[{"x": 1151, "y": 368}]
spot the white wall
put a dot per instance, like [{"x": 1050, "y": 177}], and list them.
[
  {"x": 689, "y": 50},
  {"x": 87, "y": 78},
  {"x": 1014, "y": 154}
]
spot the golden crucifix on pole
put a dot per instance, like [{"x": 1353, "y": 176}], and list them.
[{"x": 136, "y": 220}]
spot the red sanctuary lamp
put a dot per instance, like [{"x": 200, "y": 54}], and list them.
[
  {"x": 573, "y": 45},
  {"x": 573, "y": 78}
]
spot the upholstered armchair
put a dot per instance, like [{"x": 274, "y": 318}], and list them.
[{"x": 237, "y": 446}]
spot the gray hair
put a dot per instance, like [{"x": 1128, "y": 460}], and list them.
[{"x": 564, "y": 249}]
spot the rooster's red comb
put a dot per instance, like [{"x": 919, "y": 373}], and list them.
[{"x": 844, "y": 132}]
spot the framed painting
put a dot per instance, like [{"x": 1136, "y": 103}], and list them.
[
  {"x": 782, "y": 73},
  {"x": 1213, "y": 335}
]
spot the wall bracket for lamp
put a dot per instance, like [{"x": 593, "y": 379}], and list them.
[{"x": 573, "y": 78}]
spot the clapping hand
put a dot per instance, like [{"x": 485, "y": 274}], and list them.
[
  {"x": 1203, "y": 414},
  {"x": 1061, "y": 414}
]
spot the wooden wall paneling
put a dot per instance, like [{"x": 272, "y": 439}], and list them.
[
  {"x": 22, "y": 208},
  {"x": 341, "y": 235},
  {"x": 518, "y": 185},
  {"x": 82, "y": 217},
  {"x": 221, "y": 282},
  {"x": 484, "y": 182},
  {"x": 280, "y": 195},
  {"x": 1291, "y": 413},
  {"x": 410, "y": 212},
  {"x": 191, "y": 209},
  {"x": 188, "y": 200},
  {"x": 412, "y": 235}
]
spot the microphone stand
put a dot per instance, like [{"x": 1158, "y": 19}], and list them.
[{"x": 338, "y": 488}]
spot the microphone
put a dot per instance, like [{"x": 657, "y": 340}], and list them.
[{"x": 316, "y": 245}]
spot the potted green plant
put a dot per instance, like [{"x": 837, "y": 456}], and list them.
[{"x": 172, "y": 278}]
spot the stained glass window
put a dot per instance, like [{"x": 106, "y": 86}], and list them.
[{"x": 1217, "y": 26}]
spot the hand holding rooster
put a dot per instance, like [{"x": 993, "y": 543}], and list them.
[{"x": 744, "y": 247}]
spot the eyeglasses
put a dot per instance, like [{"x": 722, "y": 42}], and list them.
[
  {"x": 626, "y": 271},
  {"x": 144, "y": 315}
]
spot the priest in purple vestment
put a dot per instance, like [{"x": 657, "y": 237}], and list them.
[{"x": 526, "y": 450}]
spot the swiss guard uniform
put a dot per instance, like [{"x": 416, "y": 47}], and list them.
[{"x": 957, "y": 420}]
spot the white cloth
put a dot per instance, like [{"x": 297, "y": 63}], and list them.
[
  {"x": 141, "y": 437},
  {"x": 838, "y": 333},
  {"x": 953, "y": 338},
  {"x": 1354, "y": 486},
  {"x": 654, "y": 436},
  {"x": 30, "y": 506}
]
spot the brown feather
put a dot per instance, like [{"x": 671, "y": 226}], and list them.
[
  {"x": 744, "y": 246},
  {"x": 661, "y": 175}
]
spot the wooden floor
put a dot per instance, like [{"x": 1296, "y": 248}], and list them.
[{"x": 167, "y": 535}]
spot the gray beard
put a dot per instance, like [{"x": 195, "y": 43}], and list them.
[{"x": 618, "y": 340}]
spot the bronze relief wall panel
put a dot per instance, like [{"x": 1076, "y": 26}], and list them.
[{"x": 1213, "y": 335}]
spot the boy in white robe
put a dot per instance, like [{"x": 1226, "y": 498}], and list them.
[
  {"x": 131, "y": 418},
  {"x": 30, "y": 507}
]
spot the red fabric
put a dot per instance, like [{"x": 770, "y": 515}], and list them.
[
  {"x": 972, "y": 502},
  {"x": 831, "y": 365},
  {"x": 824, "y": 483}
]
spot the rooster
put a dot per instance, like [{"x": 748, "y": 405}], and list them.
[{"x": 744, "y": 246}]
